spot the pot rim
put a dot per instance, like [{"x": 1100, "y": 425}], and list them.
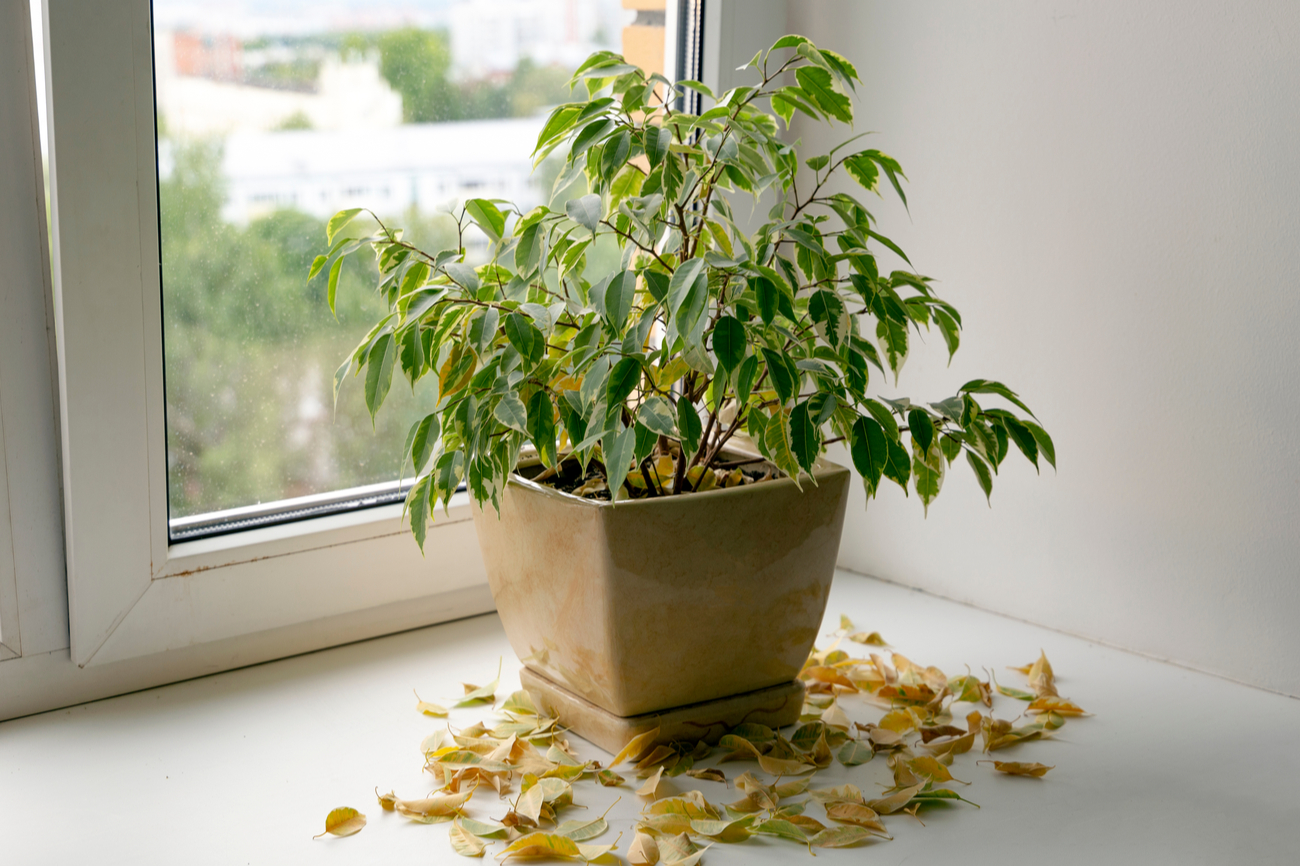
[{"x": 822, "y": 470}]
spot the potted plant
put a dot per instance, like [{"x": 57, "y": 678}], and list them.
[{"x": 669, "y": 538}]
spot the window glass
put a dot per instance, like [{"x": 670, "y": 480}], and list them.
[{"x": 273, "y": 115}]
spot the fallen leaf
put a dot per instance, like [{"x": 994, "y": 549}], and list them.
[
  {"x": 541, "y": 845},
  {"x": 343, "y": 822},
  {"x": 835, "y": 717},
  {"x": 855, "y": 814},
  {"x": 643, "y": 851},
  {"x": 1013, "y": 693},
  {"x": 520, "y": 703},
  {"x": 636, "y": 747},
  {"x": 680, "y": 851},
  {"x": 790, "y": 788},
  {"x": 929, "y": 796},
  {"x": 724, "y": 830},
  {"x": 428, "y": 708},
  {"x": 466, "y": 843},
  {"x": 609, "y": 778},
  {"x": 1041, "y": 677},
  {"x": 871, "y": 638},
  {"x": 848, "y": 792},
  {"x": 929, "y": 767},
  {"x": 893, "y": 803},
  {"x": 1055, "y": 704},
  {"x": 929, "y": 733},
  {"x": 845, "y": 623},
  {"x": 711, "y": 774},
  {"x": 387, "y": 802},
  {"x": 652, "y": 784},
  {"x": 579, "y": 830},
  {"x": 970, "y": 688},
  {"x": 776, "y": 767},
  {"x": 659, "y": 755},
  {"x": 483, "y": 829},
  {"x": 782, "y": 828},
  {"x": 855, "y": 753},
  {"x": 902, "y": 720},
  {"x": 439, "y": 808},
  {"x": 1022, "y": 769},
  {"x": 840, "y": 837},
  {"x": 486, "y": 694}
]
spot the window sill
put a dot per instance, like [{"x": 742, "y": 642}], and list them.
[{"x": 179, "y": 751}]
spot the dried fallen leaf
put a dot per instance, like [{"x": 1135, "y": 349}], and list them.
[
  {"x": 782, "y": 828},
  {"x": 1021, "y": 769},
  {"x": 636, "y": 747},
  {"x": 680, "y": 851},
  {"x": 931, "y": 769},
  {"x": 652, "y": 784},
  {"x": 845, "y": 623},
  {"x": 579, "y": 830},
  {"x": 871, "y": 638},
  {"x": 643, "y": 851},
  {"x": 343, "y": 822},
  {"x": 855, "y": 752},
  {"x": 428, "y": 708},
  {"x": 847, "y": 792},
  {"x": 713, "y": 775},
  {"x": 486, "y": 694},
  {"x": 483, "y": 829},
  {"x": 542, "y": 845},
  {"x": 893, "y": 803},
  {"x": 855, "y": 814},
  {"x": 609, "y": 778},
  {"x": 840, "y": 837},
  {"x": 1055, "y": 704},
  {"x": 387, "y": 802},
  {"x": 466, "y": 843},
  {"x": 725, "y": 830},
  {"x": 439, "y": 808}
]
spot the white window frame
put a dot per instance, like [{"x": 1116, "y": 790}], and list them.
[{"x": 132, "y": 594}]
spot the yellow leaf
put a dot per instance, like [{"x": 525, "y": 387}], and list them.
[
  {"x": 841, "y": 837},
  {"x": 827, "y": 674},
  {"x": 691, "y": 805},
  {"x": 893, "y": 803},
  {"x": 1041, "y": 677},
  {"x": 659, "y": 755},
  {"x": 928, "y": 766},
  {"x": 388, "y": 802},
  {"x": 902, "y": 720},
  {"x": 724, "y": 830},
  {"x": 644, "y": 850},
  {"x": 636, "y": 747},
  {"x": 428, "y": 708},
  {"x": 855, "y": 814},
  {"x": 1022, "y": 769},
  {"x": 609, "y": 778},
  {"x": 711, "y": 774},
  {"x": 848, "y": 792},
  {"x": 952, "y": 746},
  {"x": 651, "y": 785},
  {"x": 343, "y": 822},
  {"x": 835, "y": 717},
  {"x": 679, "y": 851},
  {"x": 439, "y": 808},
  {"x": 871, "y": 638},
  {"x": 845, "y": 623},
  {"x": 466, "y": 843},
  {"x": 542, "y": 845},
  {"x": 1055, "y": 704},
  {"x": 791, "y": 788}
]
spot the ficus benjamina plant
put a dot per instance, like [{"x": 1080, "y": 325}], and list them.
[{"x": 705, "y": 331}]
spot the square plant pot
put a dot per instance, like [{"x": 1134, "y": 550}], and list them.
[{"x": 650, "y": 604}]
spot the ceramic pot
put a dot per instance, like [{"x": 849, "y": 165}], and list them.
[{"x": 655, "y": 603}]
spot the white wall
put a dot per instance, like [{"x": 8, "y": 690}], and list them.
[{"x": 1110, "y": 193}]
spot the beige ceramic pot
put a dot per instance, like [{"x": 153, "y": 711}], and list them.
[{"x": 652, "y": 604}]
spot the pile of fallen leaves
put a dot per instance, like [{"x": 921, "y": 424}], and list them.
[{"x": 523, "y": 769}]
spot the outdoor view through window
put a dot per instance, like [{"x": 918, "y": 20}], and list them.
[{"x": 274, "y": 114}]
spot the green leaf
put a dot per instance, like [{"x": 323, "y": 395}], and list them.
[
  {"x": 316, "y": 265},
  {"x": 682, "y": 281},
  {"x": 541, "y": 427},
  {"x": 559, "y": 122},
  {"x": 777, "y": 440},
  {"x": 618, "y": 450},
  {"x": 745, "y": 379},
  {"x": 488, "y": 217},
  {"x": 893, "y": 339},
  {"x": 483, "y": 329},
  {"x": 334, "y": 283},
  {"x": 688, "y": 423},
  {"x": 729, "y": 342},
  {"x": 528, "y": 250},
  {"x": 615, "y": 154},
  {"x": 524, "y": 337},
  {"x": 418, "y": 509},
  {"x": 657, "y": 282},
  {"x": 832, "y": 320},
  {"x": 585, "y": 211},
  {"x": 922, "y": 428},
  {"x": 591, "y": 133},
  {"x": 766, "y": 293},
  {"x": 819, "y": 85},
  {"x": 1023, "y": 438},
  {"x": 928, "y": 467},
  {"x": 855, "y": 752},
  {"x": 379, "y": 372},
  {"x": 870, "y": 452},
  {"x": 782, "y": 374},
  {"x": 619, "y": 296},
  {"x": 510, "y": 412},
  {"x": 339, "y": 221},
  {"x": 950, "y": 329},
  {"x": 657, "y": 415},
  {"x": 982, "y": 474},
  {"x": 988, "y": 386},
  {"x": 863, "y": 170},
  {"x": 464, "y": 276},
  {"x": 657, "y": 140},
  {"x": 1045, "y": 446},
  {"x": 805, "y": 439},
  {"x": 622, "y": 380},
  {"x": 789, "y": 41},
  {"x": 423, "y": 440},
  {"x": 898, "y": 464}
]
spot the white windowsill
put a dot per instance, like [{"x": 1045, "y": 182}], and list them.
[{"x": 1154, "y": 776}]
